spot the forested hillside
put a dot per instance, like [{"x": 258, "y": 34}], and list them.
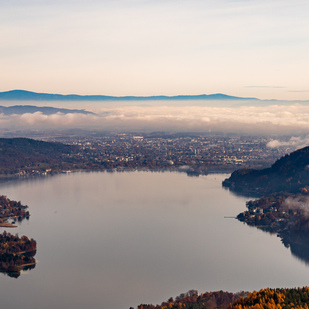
[
  {"x": 23, "y": 155},
  {"x": 290, "y": 173}
]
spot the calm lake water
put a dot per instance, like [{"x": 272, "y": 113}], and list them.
[{"x": 115, "y": 240}]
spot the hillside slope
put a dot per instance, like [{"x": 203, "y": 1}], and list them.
[
  {"x": 21, "y": 155},
  {"x": 290, "y": 173}
]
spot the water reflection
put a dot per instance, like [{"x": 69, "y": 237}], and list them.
[
  {"x": 16, "y": 272},
  {"x": 299, "y": 246},
  {"x": 12, "y": 264},
  {"x": 238, "y": 193}
]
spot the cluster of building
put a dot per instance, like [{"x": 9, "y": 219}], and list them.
[
  {"x": 196, "y": 153},
  {"x": 275, "y": 215}
]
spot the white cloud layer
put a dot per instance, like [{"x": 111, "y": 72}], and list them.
[
  {"x": 271, "y": 120},
  {"x": 297, "y": 142}
]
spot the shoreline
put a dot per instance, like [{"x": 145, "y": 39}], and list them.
[
  {"x": 190, "y": 171},
  {"x": 6, "y": 224}
]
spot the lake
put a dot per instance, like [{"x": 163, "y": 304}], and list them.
[{"x": 115, "y": 240}]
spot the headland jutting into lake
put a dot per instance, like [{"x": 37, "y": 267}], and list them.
[{"x": 283, "y": 205}]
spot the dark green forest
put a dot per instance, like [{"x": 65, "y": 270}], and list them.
[{"x": 290, "y": 174}]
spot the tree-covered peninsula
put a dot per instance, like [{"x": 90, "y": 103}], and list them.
[
  {"x": 13, "y": 210},
  {"x": 283, "y": 203},
  {"x": 16, "y": 253}
]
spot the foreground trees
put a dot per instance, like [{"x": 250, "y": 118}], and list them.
[
  {"x": 193, "y": 300},
  {"x": 294, "y": 298},
  {"x": 16, "y": 253},
  {"x": 297, "y": 298}
]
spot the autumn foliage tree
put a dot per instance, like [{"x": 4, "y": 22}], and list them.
[{"x": 295, "y": 298}]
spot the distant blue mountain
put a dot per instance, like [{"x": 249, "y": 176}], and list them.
[
  {"x": 46, "y": 110},
  {"x": 24, "y": 95}
]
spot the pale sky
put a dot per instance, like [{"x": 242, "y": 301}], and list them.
[{"x": 249, "y": 48}]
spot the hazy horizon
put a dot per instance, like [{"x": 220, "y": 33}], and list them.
[
  {"x": 238, "y": 117},
  {"x": 248, "y": 49},
  {"x": 241, "y": 48}
]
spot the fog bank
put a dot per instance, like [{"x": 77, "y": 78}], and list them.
[{"x": 258, "y": 120}]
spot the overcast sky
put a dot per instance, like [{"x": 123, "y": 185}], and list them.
[{"x": 252, "y": 48}]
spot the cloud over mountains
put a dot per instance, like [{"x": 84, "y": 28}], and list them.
[{"x": 269, "y": 120}]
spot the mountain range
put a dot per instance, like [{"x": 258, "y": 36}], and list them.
[{"x": 24, "y": 95}]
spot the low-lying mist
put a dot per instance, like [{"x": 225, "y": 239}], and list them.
[{"x": 272, "y": 120}]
